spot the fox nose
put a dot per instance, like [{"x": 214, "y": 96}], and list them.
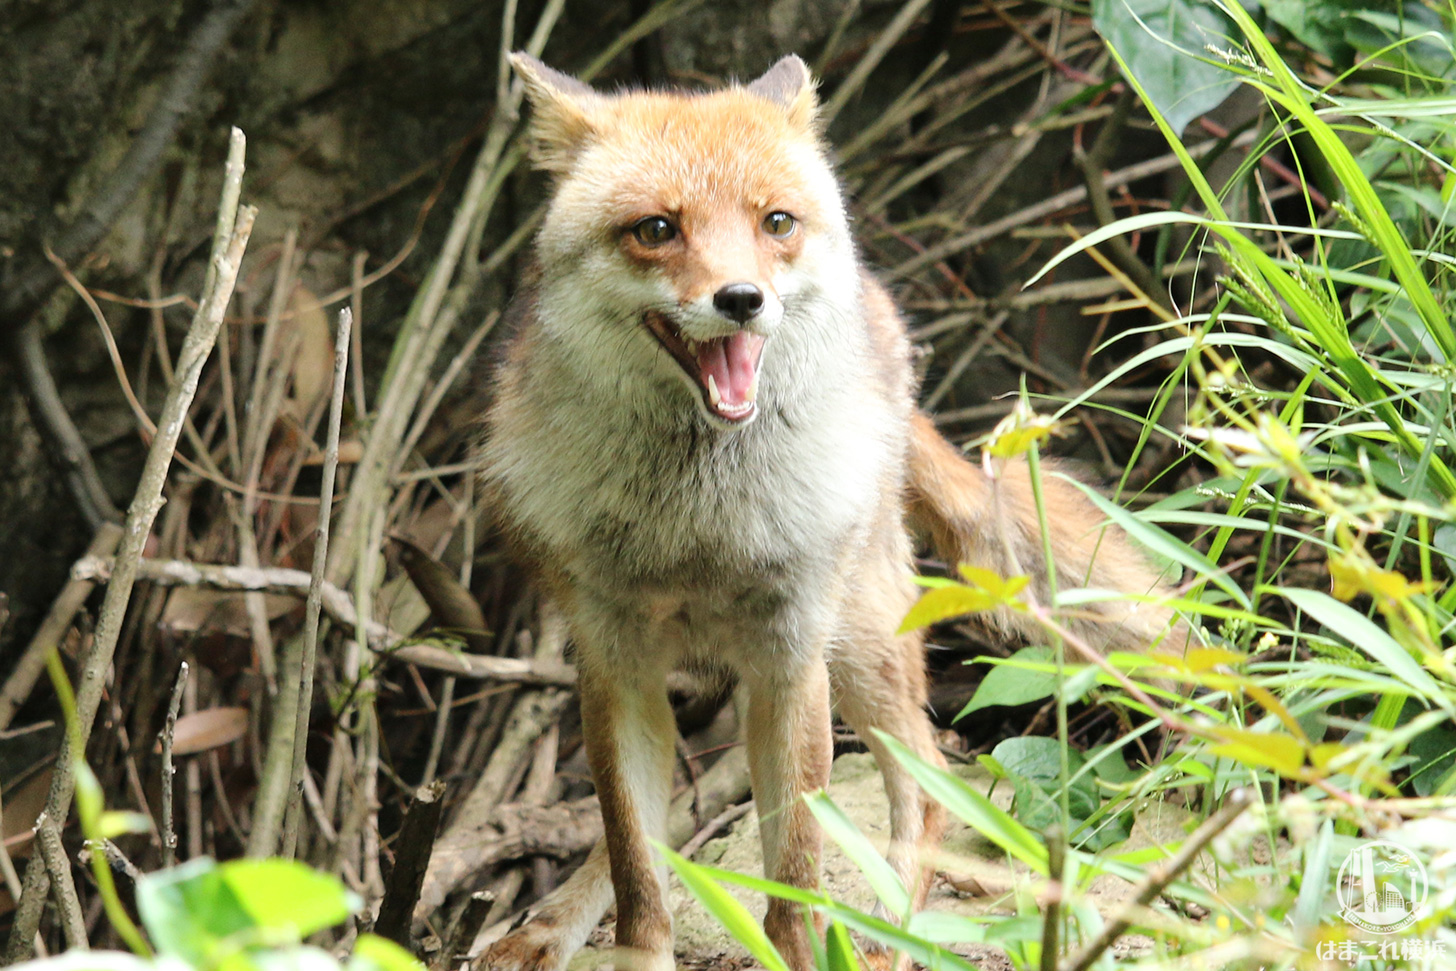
[{"x": 739, "y": 301}]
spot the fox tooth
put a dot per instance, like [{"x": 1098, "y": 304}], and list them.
[
  {"x": 751, "y": 395},
  {"x": 714, "y": 398}
]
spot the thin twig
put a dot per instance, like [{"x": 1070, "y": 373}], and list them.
[
  {"x": 63, "y": 885},
  {"x": 148, "y": 500},
  {"x": 464, "y": 930},
  {"x": 1234, "y": 804},
  {"x": 1046, "y": 207},
  {"x": 169, "y": 771},
  {"x": 714, "y": 826},
  {"x": 340, "y": 607}
]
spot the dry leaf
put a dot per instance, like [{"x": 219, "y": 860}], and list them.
[{"x": 208, "y": 729}]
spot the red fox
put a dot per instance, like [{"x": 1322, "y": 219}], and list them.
[{"x": 705, "y": 443}]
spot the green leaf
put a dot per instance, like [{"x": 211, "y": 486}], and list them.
[
  {"x": 287, "y": 896},
  {"x": 1315, "y": 881},
  {"x": 1363, "y": 633},
  {"x": 839, "y": 949},
  {"x": 944, "y": 603},
  {"x": 878, "y": 873},
  {"x": 188, "y": 910},
  {"x": 1035, "y": 766},
  {"x": 1163, "y": 42},
  {"x": 1317, "y": 24},
  {"x": 1162, "y": 543},
  {"x": 375, "y": 953},
  {"x": 1017, "y": 680},
  {"x": 191, "y": 909},
  {"x": 114, "y": 823},
  {"x": 943, "y": 927},
  {"x": 734, "y": 917},
  {"x": 971, "y": 807}
]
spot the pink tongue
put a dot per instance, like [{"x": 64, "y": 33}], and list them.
[{"x": 733, "y": 362}]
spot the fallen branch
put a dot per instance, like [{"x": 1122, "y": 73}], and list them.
[
  {"x": 340, "y": 607},
  {"x": 1233, "y": 805}
]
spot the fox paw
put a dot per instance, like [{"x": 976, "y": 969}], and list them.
[{"x": 533, "y": 947}]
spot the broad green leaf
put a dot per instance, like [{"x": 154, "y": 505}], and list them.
[
  {"x": 1163, "y": 43},
  {"x": 1317, "y": 24},
  {"x": 1007, "y": 683},
  {"x": 1282, "y": 753},
  {"x": 878, "y": 872},
  {"x": 188, "y": 910},
  {"x": 287, "y": 896},
  {"x": 944, "y": 603},
  {"x": 1035, "y": 766},
  {"x": 375, "y": 953}
]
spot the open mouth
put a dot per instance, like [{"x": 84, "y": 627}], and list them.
[{"x": 724, "y": 368}]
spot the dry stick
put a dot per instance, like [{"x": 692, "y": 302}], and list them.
[
  {"x": 714, "y": 826},
  {"x": 194, "y": 786},
  {"x": 234, "y": 226},
  {"x": 1046, "y": 207},
  {"x": 340, "y": 607},
  {"x": 411, "y": 856},
  {"x": 871, "y": 58},
  {"x": 63, "y": 886},
  {"x": 567, "y": 828},
  {"x": 63, "y": 439},
  {"x": 464, "y": 930},
  {"x": 425, "y": 327},
  {"x": 1234, "y": 804},
  {"x": 539, "y": 778},
  {"x": 27, "y": 671},
  {"x": 169, "y": 730},
  {"x": 279, "y": 801},
  {"x": 342, "y": 343}
]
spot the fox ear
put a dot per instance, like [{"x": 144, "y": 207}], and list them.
[
  {"x": 790, "y": 85},
  {"x": 561, "y": 112}
]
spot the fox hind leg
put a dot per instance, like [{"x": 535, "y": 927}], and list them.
[{"x": 879, "y": 682}]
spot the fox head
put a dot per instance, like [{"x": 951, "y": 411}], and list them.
[{"x": 690, "y": 238}]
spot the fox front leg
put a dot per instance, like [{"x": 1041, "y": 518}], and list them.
[{"x": 629, "y": 730}]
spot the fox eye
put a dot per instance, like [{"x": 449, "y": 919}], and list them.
[
  {"x": 654, "y": 231},
  {"x": 778, "y": 224}
]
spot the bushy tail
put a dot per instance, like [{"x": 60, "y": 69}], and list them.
[{"x": 994, "y": 525}]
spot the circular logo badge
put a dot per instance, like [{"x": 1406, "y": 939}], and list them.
[{"x": 1381, "y": 887}]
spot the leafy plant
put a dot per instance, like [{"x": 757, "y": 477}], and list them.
[{"x": 244, "y": 915}]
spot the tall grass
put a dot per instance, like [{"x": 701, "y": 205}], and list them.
[{"x": 1318, "y": 546}]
